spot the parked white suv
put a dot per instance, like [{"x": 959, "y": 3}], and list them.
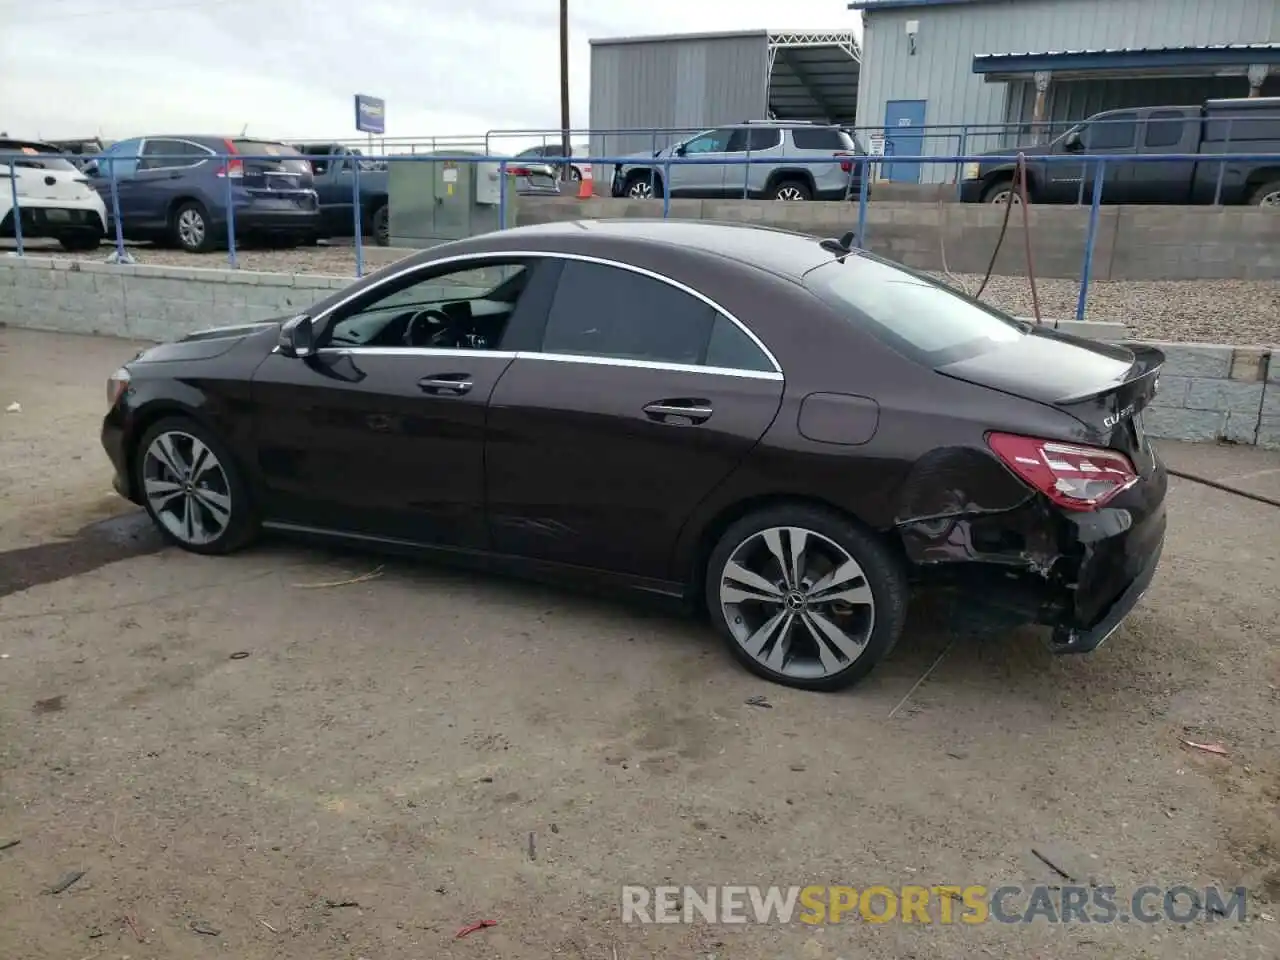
[{"x": 54, "y": 197}]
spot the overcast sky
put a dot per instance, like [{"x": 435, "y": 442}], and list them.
[{"x": 119, "y": 68}]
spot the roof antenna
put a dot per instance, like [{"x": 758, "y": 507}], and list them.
[
  {"x": 244, "y": 131},
  {"x": 842, "y": 247}
]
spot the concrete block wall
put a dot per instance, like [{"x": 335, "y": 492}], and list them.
[
  {"x": 1208, "y": 392},
  {"x": 143, "y": 302},
  {"x": 1132, "y": 242},
  {"x": 1213, "y": 392}
]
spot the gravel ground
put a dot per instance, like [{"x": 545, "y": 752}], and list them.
[
  {"x": 260, "y": 757},
  {"x": 1217, "y": 311}
]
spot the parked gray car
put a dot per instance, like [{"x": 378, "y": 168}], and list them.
[{"x": 790, "y": 173}]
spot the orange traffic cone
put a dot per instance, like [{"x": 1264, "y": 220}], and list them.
[{"x": 586, "y": 186}]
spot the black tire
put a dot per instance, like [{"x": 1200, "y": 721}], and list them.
[
  {"x": 1268, "y": 192},
  {"x": 184, "y": 232},
  {"x": 791, "y": 190},
  {"x": 241, "y": 528},
  {"x": 80, "y": 241},
  {"x": 574, "y": 175},
  {"x": 882, "y": 570},
  {"x": 640, "y": 179},
  {"x": 380, "y": 226},
  {"x": 992, "y": 193}
]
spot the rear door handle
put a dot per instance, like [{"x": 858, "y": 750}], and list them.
[
  {"x": 679, "y": 410},
  {"x": 454, "y": 383}
]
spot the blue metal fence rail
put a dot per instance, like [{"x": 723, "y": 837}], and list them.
[{"x": 860, "y": 168}]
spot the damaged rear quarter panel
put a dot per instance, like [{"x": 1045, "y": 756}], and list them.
[{"x": 961, "y": 505}]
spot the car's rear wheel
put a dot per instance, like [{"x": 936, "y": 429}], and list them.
[
  {"x": 189, "y": 228},
  {"x": 193, "y": 489},
  {"x": 804, "y": 597},
  {"x": 380, "y": 224},
  {"x": 644, "y": 186},
  {"x": 1267, "y": 195},
  {"x": 792, "y": 190}
]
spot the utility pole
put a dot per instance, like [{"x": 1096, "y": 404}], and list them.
[{"x": 564, "y": 79}]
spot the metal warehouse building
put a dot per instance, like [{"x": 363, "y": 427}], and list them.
[
  {"x": 682, "y": 84},
  {"x": 951, "y": 63}
]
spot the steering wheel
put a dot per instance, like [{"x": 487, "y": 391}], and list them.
[{"x": 418, "y": 332}]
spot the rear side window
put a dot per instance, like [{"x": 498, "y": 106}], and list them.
[
  {"x": 754, "y": 139},
  {"x": 732, "y": 349},
  {"x": 821, "y": 138},
  {"x": 913, "y": 314},
  {"x": 1164, "y": 128},
  {"x": 608, "y": 312},
  {"x": 161, "y": 154}
]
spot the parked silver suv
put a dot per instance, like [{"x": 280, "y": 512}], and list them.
[{"x": 786, "y": 145}]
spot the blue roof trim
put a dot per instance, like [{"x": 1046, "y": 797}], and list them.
[
  {"x": 1230, "y": 55},
  {"x": 871, "y": 5}
]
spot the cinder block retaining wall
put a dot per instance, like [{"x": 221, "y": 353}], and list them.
[
  {"x": 1207, "y": 392},
  {"x": 1132, "y": 242}
]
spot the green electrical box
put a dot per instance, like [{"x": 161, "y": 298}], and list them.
[{"x": 434, "y": 201}]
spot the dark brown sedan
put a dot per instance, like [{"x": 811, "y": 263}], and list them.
[{"x": 783, "y": 430}]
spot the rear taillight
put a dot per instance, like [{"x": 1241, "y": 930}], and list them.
[
  {"x": 519, "y": 172},
  {"x": 1074, "y": 477},
  {"x": 845, "y": 165},
  {"x": 232, "y": 168}
]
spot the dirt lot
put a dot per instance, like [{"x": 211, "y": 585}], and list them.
[
  {"x": 1217, "y": 311},
  {"x": 392, "y": 744}
]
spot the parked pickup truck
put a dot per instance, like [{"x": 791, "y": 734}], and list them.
[
  {"x": 1215, "y": 128},
  {"x": 332, "y": 167}
]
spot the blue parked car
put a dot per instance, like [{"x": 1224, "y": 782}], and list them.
[{"x": 174, "y": 190}]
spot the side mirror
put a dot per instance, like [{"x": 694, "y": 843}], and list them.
[
  {"x": 1073, "y": 143},
  {"x": 681, "y": 150},
  {"x": 297, "y": 338},
  {"x": 90, "y": 169}
]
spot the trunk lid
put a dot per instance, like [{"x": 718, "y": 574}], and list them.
[
  {"x": 1104, "y": 386},
  {"x": 284, "y": 171}
]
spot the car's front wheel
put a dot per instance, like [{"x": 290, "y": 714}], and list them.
[
  {"x": 644, "y": 186},
  {"x": 192, "y": 488},
  {"x": 804, "y": 597}
]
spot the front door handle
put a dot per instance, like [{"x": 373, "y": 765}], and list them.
[
  {"x": 679, "y": 411},
  {"x": 454, "y": 383}
]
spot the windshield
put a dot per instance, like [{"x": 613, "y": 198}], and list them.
[{"x": 912, "y": 313}]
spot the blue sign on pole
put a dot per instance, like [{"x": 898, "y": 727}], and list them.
[{"x": 371, "y": 114}]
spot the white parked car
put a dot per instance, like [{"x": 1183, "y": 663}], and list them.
[{"x": 54, "y": 197}]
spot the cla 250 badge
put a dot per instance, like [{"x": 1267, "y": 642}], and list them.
[{"x": 1119, "y": 415}]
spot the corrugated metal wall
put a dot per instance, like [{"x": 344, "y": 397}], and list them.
[
  {"x": 941, "y": 71},
  {"x": 694, "y": 82}
]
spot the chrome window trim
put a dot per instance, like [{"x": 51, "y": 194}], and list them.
[
  {"x": 415, "y": 352},
  {"x": 553, "y": 357},
  {"x": 652, "y": 365},
  {"x": 324, "y": 315},
  {"x": 189, "y": 143}
]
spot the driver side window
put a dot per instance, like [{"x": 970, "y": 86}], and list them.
[
  {"x": 457, "y": 308},
  {"x": 717, "y": 141}
]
